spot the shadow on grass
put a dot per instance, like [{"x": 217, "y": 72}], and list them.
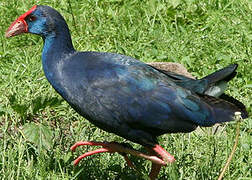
[
  {"x": 36, "y": 105},
  {"x": 117, "y": 171},
  {"x": 97, "y": 168}
]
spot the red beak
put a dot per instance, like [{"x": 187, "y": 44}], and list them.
[{"x": 17, "y": 27}]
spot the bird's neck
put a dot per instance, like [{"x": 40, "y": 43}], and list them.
[
  {"x": 57, "y": 47},
  {"x": 57, "y": 44}
]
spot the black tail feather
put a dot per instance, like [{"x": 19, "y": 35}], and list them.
[
  {"x": 237, "y": 103},
  {"x": 225, "y": 74},
  {"x": 224, "y": 108}
]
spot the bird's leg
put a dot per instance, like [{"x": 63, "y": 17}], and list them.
[
  {"x": 167, "y": 157},
  {"x": 113, "y": 147},
  {"x": 155, "y": 168},
  {"x": 157, "y": 155},
  {"x": 105, "y": 148}
]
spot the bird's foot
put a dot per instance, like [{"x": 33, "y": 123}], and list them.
[
  {"x": 110, "y": 147},
  {"x": 158, "y": 156}
]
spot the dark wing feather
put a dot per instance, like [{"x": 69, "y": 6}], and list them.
[{"x": 131, "y": 99}]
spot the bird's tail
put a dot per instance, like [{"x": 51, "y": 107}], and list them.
[
  {"x": 238, "y": 104},
  {"x": 224, "y": 106},
  {"x": 211, "y": 90},
  {"x": 221, "y": 110},
  {"x": 213, "y": 85},
  {"x": 224, "y": 109},
  {"x": 216, "y": 83},
  {"x": 224, "y": 74}
]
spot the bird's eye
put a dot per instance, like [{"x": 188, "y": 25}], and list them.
[{"x": 31, "y": 18}]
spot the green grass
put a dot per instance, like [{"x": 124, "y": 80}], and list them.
[{"x": 202, "y": 35}]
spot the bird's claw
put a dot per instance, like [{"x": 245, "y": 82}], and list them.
[{"x": 158, "y": 156}]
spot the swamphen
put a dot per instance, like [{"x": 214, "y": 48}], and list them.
[{"x": 124, "y": 96}]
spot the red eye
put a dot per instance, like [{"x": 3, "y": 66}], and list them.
[{"x": 31, "y": 18}]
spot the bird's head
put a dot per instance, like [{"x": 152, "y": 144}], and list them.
[{"x": 40, "y": 20}]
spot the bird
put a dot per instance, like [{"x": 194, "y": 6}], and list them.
[{"x": 124, "y": 96}]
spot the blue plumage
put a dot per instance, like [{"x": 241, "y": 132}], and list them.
[{"x": 124, "y": 96}]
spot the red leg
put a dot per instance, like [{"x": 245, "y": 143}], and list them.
[
  {"x": 155, "y": 168},
  {"x": 113, "y": 147},
  {"x": 168, "y": 158},
  {"x": 157, "y": 155},
  {"x": 101, "y": 150},
  {"x": 90, "y": 143}
]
